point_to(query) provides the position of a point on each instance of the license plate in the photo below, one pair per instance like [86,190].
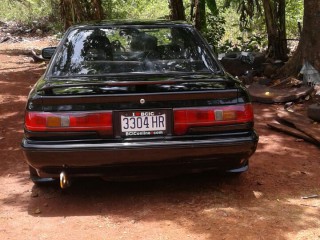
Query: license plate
[144,123]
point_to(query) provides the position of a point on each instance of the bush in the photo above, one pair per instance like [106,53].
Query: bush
[253,43]
[215,29]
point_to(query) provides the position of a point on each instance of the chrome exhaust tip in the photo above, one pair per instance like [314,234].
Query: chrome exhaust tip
[64,180]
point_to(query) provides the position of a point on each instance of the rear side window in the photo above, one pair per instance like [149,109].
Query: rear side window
[102,51]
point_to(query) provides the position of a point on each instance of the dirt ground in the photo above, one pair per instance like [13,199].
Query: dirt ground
[263,203]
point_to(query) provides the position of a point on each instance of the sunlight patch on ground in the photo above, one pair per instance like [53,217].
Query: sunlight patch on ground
[11,99]
[8,115]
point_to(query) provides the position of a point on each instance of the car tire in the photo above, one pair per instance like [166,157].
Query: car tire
[314,112]
[39,180]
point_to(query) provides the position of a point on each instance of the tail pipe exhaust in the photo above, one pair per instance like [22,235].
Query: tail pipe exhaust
[64,180]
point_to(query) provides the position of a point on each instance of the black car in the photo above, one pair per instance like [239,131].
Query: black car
[127,99]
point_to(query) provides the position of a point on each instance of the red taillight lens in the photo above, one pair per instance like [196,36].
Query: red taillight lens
[210,116]
[71,121]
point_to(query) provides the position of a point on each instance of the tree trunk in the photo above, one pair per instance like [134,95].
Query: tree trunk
[309,45]
[276,28]
[200,15]
[177,10]
[97,10]
[75,11]
[283,48]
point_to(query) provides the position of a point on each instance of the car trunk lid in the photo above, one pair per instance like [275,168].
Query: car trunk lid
[141,108]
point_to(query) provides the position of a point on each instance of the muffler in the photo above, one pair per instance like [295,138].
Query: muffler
[64,180]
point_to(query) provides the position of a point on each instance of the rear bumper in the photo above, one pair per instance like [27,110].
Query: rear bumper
[133,158]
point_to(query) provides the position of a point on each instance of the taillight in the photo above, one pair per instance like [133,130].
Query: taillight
[69,121]
[209,116]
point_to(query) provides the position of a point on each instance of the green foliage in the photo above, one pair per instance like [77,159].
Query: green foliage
[138,9]
[222,29]
[215,29]
[248,36]
[250,14]
[254,43]
[212,5]
[25,11]
[246,10]
[294,14]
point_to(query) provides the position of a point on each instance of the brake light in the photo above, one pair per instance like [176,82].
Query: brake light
[69,121]
[210,116]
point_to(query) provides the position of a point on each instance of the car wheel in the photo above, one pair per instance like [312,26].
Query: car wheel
[39,180]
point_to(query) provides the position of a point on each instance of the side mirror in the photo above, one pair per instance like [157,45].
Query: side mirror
[48,52]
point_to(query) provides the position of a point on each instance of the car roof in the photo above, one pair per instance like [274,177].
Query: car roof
[124,23]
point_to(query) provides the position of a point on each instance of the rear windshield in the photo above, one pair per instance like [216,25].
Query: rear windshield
[103,51]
